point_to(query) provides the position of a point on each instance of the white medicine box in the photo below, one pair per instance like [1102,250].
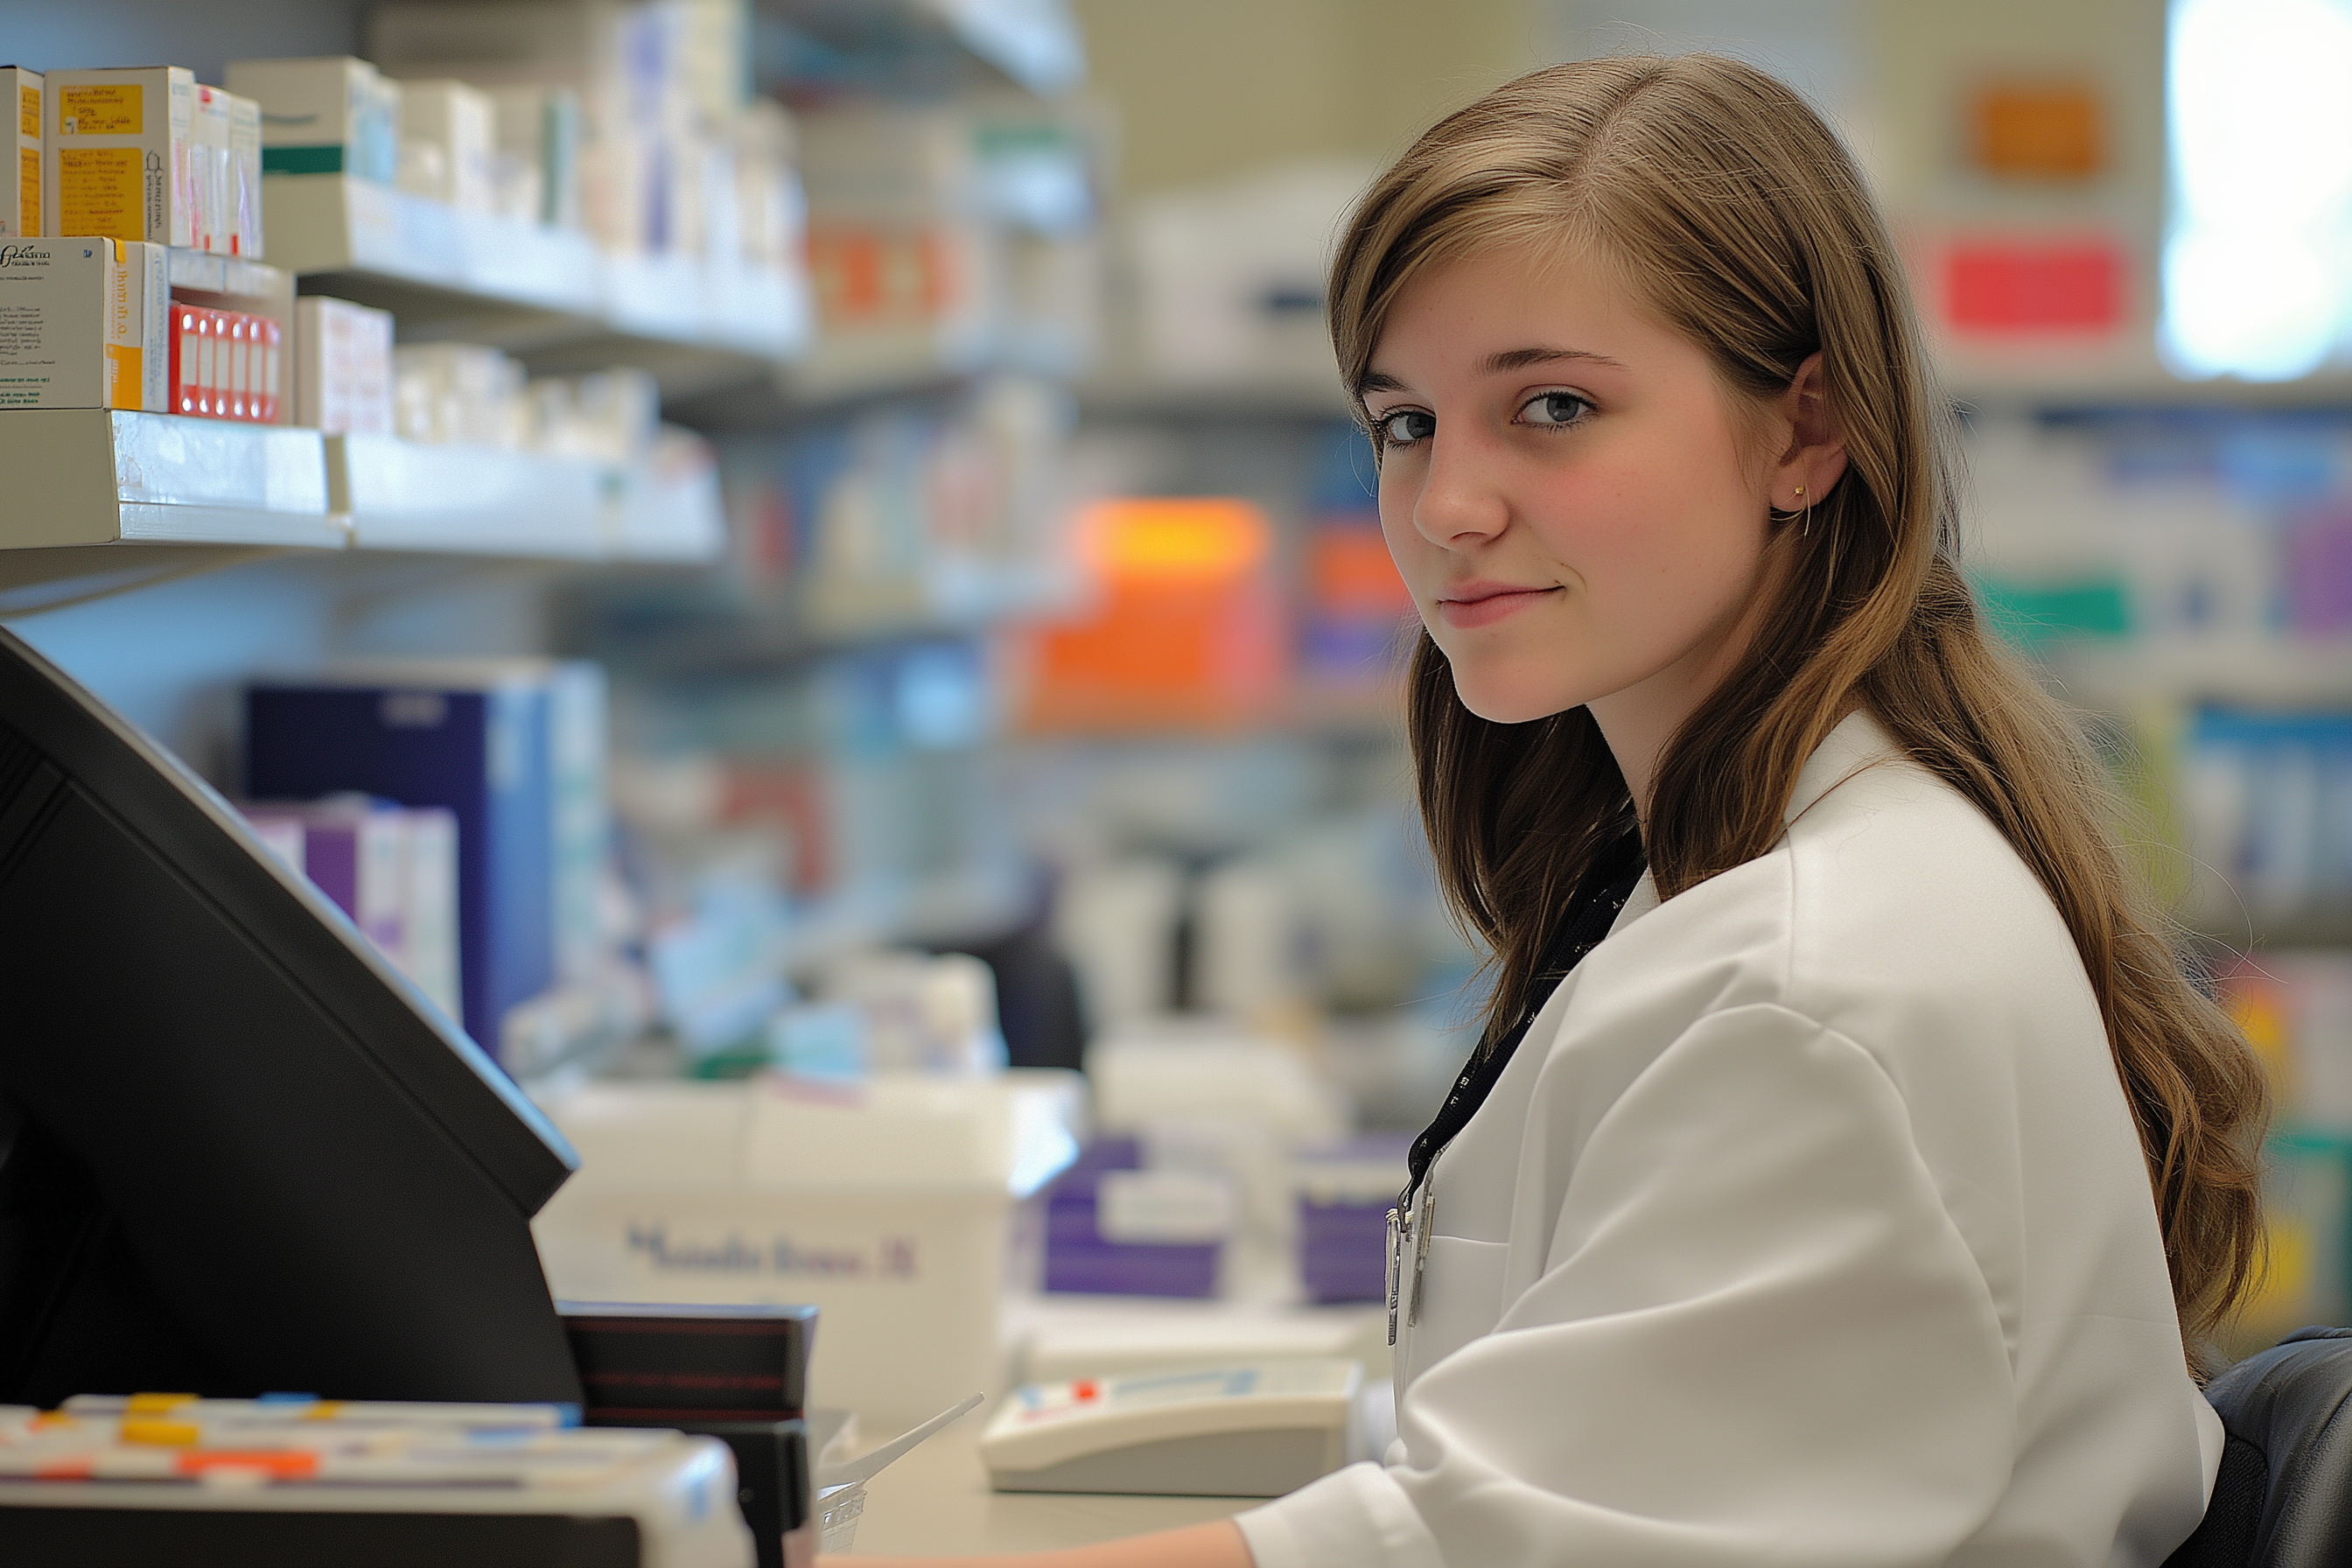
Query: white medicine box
[213,119]
[20,176]
[122,155]
[83,324]
[447,132]
[896,1207]
[342,366]
[330,115]
[244,220]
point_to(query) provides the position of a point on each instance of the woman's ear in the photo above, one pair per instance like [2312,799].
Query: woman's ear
[1815,458]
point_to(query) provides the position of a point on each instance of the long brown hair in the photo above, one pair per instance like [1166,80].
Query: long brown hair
[1729,207]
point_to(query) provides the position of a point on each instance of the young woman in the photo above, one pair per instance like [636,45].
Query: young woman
[1848,1175]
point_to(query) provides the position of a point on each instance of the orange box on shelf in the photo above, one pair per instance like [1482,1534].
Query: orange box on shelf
[875,275]
[1187,630]
[2037,129]
[1350,572]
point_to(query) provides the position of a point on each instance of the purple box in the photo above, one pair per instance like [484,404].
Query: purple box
[1078,1259]
[1346,1191]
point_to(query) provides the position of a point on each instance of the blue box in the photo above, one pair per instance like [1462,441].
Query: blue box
[475,741]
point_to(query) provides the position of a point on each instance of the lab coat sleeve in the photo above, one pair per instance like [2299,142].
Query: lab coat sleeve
[1757,1337]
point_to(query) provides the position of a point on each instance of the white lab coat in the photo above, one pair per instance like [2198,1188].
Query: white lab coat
[1806,1226]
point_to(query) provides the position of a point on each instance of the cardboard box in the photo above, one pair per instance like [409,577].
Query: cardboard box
[342,366]
[20,176]
[83,324]
[456,121]
[331,115]
[120,155]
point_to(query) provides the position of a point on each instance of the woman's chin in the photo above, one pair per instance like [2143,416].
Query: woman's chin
[1507,703]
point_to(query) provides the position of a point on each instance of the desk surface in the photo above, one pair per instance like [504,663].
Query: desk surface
[937,1500]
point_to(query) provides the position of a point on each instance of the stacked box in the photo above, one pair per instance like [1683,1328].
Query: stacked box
[83,324]
[20,177]
[333,115]
[121,157]
[342,366]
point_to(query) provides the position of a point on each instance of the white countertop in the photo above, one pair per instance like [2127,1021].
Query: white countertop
[937,1500]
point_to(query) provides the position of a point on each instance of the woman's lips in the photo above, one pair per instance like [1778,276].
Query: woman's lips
[1483,607]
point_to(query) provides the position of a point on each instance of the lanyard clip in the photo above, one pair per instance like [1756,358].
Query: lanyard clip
[1409,1232]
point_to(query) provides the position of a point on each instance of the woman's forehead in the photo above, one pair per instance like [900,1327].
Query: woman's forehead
[1499,311]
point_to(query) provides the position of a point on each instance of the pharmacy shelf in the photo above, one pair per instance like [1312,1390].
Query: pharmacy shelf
[545,295]
[2254,671]
[94,476]
[486,500]
[103,500]
[707,625]
[833,46]
[948,595]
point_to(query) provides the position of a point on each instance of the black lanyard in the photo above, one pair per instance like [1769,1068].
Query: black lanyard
[1616,872]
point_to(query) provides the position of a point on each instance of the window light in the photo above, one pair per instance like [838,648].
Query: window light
[2258,263]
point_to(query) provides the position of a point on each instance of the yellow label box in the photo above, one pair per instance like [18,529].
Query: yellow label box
[151,184]
[20,176]
[100,190]
[84,323]
[102,109]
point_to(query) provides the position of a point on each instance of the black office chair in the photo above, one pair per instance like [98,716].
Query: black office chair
[2283,1496]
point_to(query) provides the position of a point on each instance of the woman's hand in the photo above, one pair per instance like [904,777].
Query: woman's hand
[1217,1545]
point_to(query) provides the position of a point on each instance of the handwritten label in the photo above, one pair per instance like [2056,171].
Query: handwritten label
[102,109]
[889,1258]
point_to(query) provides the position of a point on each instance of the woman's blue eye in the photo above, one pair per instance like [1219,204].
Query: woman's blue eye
[1555,408]
[1406,427]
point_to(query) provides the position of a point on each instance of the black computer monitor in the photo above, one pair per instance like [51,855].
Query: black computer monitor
[239,1153]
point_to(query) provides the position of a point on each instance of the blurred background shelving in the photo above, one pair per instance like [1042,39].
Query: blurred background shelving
[985,562]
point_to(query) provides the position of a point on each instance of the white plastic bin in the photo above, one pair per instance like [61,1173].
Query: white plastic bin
[892,1207]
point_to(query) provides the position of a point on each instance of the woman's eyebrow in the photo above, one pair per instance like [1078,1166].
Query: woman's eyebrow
[1519,358]
[1495,364]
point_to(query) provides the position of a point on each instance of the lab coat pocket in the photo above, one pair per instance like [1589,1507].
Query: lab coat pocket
[1462,1297]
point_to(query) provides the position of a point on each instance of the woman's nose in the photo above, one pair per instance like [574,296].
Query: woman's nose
[1459,503]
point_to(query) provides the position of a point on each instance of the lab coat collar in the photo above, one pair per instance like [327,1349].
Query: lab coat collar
[1857,741]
